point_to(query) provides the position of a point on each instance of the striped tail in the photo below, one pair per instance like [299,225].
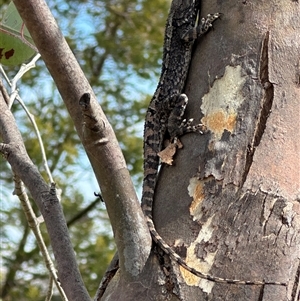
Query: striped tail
[168,250]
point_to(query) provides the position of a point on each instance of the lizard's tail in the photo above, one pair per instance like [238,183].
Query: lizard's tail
[167,249]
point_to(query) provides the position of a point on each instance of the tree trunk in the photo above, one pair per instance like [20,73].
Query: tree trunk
[230,203]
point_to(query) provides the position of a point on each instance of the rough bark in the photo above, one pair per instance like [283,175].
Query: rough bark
[230,204]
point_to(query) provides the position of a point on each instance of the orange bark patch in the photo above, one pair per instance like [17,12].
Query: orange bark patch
[218,121]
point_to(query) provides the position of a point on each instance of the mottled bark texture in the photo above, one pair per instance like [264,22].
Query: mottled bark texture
[230,204]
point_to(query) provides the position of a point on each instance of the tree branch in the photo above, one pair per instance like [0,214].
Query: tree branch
[34,224]
[14,150]
[131,233]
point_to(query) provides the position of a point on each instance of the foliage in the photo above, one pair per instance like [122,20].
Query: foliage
[118,44]
[16,42]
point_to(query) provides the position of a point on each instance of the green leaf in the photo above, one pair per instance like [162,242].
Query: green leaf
[16,44]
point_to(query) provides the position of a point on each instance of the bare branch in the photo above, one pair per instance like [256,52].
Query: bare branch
[34,224]
[106,158]
[13,84]
[15,95]
[109,274]
[14,150]
[3,90]
[50,290]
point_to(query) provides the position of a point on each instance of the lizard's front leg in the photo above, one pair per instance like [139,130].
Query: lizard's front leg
[177,126]
[205,24]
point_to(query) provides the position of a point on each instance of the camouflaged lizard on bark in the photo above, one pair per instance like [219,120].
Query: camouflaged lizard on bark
[164,114]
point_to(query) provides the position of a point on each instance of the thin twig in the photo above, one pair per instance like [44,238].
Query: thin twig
[15,95]
[50,289]
[24,68]
[34,225]
[4,92]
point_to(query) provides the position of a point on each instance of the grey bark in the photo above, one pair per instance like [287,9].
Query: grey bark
[130,230]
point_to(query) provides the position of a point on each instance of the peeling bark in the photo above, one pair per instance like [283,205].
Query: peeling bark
[229,204]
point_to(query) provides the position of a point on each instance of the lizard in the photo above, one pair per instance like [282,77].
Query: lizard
[164,116]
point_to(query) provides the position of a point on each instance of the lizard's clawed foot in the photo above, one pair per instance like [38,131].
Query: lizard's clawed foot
[187,127]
